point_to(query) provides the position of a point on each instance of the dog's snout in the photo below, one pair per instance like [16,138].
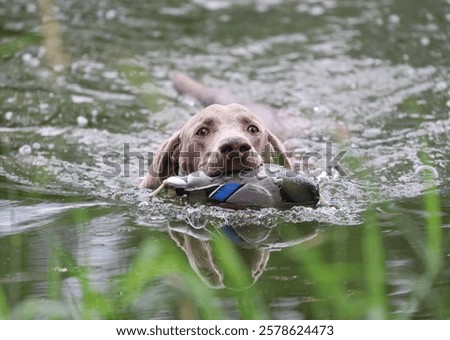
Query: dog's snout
[234,145]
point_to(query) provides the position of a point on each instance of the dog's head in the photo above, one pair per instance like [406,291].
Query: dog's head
[217,140]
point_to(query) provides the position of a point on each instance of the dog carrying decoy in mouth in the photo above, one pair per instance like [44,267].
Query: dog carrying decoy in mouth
[223,138]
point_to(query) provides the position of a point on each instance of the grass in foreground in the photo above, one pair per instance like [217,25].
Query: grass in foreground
[160,282]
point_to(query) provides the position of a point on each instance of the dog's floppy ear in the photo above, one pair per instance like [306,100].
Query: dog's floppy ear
[277,152]
[165,162]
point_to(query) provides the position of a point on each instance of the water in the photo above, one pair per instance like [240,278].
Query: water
[380,67]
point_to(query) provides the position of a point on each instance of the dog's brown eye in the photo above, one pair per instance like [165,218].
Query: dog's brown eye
[252,129]
[202,132]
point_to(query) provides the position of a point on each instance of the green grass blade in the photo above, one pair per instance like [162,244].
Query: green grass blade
[237,275]
[434,255]
[374,268]
[4,310]
[162,260]
[433,231]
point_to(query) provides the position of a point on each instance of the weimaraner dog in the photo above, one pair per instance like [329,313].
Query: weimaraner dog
[222,138]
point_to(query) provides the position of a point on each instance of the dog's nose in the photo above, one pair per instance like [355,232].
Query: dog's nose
[234,146]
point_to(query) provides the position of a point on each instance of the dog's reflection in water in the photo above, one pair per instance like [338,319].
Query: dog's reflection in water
[253,242]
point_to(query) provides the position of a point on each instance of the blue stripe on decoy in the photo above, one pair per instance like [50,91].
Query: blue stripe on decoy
[232,235]
[225,191]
